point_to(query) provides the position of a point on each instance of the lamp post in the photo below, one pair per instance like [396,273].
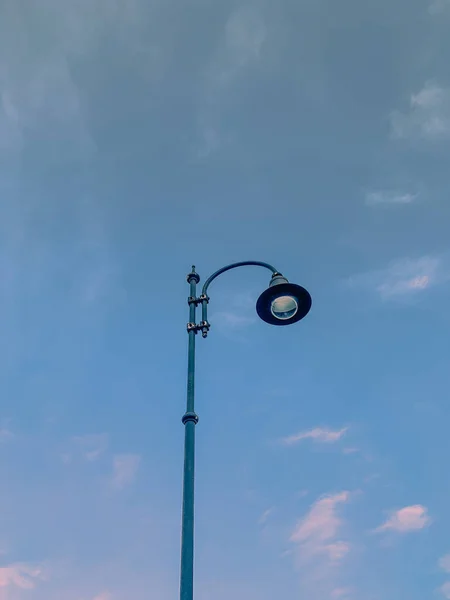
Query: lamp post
[283,303]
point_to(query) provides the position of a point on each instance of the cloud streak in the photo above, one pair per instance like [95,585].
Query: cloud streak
[319,435]
[386,197]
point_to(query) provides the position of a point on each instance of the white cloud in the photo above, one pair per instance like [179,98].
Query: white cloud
[405,277]
[125,468]
[21,576]
[428,116]
[326,436]
[445,590]
[386,197]
[444,563]
[407,519]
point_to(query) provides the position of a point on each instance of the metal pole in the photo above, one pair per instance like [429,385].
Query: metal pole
[190,420]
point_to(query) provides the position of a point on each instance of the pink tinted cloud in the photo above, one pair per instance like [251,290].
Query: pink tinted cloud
[319,549]
[21,576]
[341,593]
[125,468]
[407,519]
[103,596]
[318,434]
[316,533]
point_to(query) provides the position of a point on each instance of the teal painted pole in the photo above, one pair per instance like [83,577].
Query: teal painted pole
[190,420]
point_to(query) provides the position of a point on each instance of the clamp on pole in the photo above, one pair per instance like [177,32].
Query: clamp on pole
[203,326]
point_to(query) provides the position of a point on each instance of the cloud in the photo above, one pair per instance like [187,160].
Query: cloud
[404,277]
[103,596]
[238,50]
[341,593]
[350,450]
[407,519]
[385,197]
[428,116]
[445,590]
[6,435]
[125,468]
[21,576]
[40,100]
[438,6]
[319,550]
[264,517]
[92,446]
[316,533]
[326,436]
[444,563]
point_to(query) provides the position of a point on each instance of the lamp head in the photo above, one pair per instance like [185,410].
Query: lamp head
[283,303]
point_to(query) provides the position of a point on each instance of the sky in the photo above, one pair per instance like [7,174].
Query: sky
[140,137]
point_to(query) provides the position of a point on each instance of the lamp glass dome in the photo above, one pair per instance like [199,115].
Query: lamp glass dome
[283,304]
[284,307]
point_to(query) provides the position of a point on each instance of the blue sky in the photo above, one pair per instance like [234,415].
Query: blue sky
[137,138]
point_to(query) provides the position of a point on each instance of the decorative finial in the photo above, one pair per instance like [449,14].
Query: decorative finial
[193,276]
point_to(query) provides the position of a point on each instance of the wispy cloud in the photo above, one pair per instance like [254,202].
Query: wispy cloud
[389,197]
[428,116]
[445,590]
[318,547]
[20,575]
[103,596]
[6,435]
[438,6]
[341,593]
[245,33]
[321,435]
[404,277]
[444,563]
[316,533]
[92,446]
[125,468]
[407,519]
[350,450]
[265,516]
[238,50]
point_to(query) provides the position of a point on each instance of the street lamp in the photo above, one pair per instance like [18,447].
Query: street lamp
[283,303]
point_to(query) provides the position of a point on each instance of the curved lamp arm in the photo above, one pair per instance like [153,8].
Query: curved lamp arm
[204,297]
[246,263]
